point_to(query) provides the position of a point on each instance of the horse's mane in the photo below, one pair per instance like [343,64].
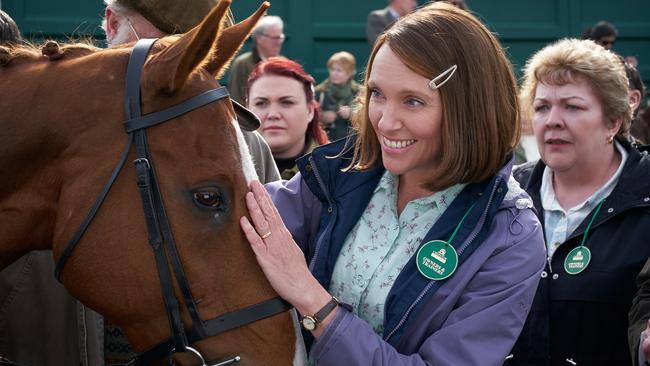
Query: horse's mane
[53,51]
[46,51]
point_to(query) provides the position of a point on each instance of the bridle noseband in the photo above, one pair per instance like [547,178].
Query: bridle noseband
[158,228]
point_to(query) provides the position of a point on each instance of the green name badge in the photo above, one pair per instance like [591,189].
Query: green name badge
[437,260]
[577,260]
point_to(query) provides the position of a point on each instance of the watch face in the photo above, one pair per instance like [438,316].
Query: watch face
[308,323]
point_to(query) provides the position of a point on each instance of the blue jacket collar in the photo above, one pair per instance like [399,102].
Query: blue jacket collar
[337,184]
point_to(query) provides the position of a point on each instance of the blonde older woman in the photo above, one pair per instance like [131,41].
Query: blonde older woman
[592,192]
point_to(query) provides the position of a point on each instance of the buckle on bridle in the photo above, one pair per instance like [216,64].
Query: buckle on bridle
[142,160]
[231,361]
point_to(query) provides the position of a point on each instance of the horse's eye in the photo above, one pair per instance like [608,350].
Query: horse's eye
[209,199]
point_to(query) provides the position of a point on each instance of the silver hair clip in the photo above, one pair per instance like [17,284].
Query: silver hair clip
[447,74]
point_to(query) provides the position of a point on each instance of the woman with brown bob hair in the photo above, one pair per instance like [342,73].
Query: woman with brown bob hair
[410,244]
[480,121]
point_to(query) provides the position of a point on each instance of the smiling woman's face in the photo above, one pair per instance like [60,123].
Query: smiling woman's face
[281,104]
[407,117]
[570,125]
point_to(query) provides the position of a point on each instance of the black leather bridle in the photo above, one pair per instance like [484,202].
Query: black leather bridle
[159,230]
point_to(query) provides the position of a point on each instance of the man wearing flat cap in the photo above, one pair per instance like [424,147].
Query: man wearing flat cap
[40,323]
[129,20]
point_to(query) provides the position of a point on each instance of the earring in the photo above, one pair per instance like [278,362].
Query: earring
[610,139]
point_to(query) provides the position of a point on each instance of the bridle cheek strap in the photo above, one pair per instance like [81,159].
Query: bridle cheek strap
[158,228]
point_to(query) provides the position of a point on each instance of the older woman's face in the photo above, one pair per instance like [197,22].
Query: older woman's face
[570,125]
[281,104]
[406,116]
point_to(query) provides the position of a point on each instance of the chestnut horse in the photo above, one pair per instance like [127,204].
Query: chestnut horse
[62,136]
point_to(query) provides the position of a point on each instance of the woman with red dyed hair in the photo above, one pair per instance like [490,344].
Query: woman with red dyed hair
[281,94]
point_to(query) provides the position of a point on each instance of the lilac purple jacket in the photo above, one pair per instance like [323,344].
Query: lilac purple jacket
[471,318]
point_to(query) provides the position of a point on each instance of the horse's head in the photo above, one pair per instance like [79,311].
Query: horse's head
[72,135]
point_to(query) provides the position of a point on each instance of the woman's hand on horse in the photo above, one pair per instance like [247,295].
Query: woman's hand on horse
[278,254]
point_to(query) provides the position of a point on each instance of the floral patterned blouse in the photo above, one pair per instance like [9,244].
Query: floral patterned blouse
[380,245]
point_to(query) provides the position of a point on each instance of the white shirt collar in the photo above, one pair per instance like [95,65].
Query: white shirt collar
[549,200]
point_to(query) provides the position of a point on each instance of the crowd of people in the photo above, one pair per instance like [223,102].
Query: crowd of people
[395,216]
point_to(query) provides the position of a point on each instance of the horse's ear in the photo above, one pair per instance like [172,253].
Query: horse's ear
[171,67]
[231,40]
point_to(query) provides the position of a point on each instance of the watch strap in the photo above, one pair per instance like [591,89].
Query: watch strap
[326,310]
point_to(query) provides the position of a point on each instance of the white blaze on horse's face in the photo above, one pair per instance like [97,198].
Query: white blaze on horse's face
[246,161]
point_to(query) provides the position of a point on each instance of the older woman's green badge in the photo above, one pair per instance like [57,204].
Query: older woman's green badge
[577,260]
[437,260]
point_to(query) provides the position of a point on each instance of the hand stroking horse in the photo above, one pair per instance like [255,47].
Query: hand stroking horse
[63,144]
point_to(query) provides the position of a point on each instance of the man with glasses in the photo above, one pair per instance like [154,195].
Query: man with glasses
[605,34]
[268,38]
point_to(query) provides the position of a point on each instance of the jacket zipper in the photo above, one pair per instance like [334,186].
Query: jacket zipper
[461,249]
[84,330]
[312,263]
[408,311]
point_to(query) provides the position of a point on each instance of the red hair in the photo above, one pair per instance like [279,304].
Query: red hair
[281,66]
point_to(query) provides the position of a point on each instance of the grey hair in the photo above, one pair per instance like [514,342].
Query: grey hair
[117,8]
[266,22]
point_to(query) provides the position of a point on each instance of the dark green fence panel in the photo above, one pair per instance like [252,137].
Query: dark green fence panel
[526,26]
[316,29]
[56,19]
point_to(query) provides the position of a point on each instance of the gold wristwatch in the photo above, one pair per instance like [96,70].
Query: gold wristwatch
[310,322]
